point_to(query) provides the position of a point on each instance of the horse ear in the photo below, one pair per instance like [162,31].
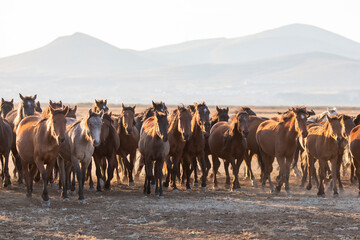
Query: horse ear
[153,104]
[34,97]
[50,102]
[60,103]
[134,107]
[21,96]
[105,101]
[90,112]
[122,105]
[66,110]
[217,108]
[110,114]
[2,100]
[12,100]
[227,109]
[75,108]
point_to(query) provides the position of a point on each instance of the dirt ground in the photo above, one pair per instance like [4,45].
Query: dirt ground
[125,212]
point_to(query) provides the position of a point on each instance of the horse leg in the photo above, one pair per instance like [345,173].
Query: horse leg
[294,164]
[207,162]
[334,174]
[356,164]
[227,175]
[160,164]
[88,175]
[235,168]
[149,174]
[187,171]
[304,169]
[248,157]
[132,158]
[287,173]
[311,169]
[169,171]
[321,192]
[6,169]
[44,173]
[195,168]
[17,163]
[97,160]
[25,169]
[110,170]
[61,165]
[339,164]
[140,167]
[282,173]
[204,172]
[216,165]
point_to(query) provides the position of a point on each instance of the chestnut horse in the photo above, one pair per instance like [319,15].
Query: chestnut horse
[52,104]
[81,139]
[195,146]
[154,146]
[129,138]
[278,139]
[179,133]
[26,108]
[324,143]
[354,143]
[6,140]
[228,141]
[38,143]
[6,107]
[107,150]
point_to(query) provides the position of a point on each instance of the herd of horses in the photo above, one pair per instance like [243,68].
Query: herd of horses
[54,144]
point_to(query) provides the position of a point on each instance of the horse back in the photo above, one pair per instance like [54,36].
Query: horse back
[251,137]
[320,146]
[266,136]
[355,142]
[25,138]
[216,138]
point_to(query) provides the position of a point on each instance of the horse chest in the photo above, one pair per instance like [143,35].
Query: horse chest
[85,152]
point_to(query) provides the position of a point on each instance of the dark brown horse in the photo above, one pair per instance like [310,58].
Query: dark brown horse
[26,108]
[278,139]
[354,143]
[221,114]
[179,132]
[129,138]
[107,150]
[38,143]
[154,146]
[228,141]
[323,143]
[194,148]
[72,112]
[6,107]
[54,105]
[140,118]
[6,140]
[100,105]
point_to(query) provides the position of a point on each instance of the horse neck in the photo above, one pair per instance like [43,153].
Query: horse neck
[84,129]
[327,132]
[233,130]
[174,125]
[195,127]
[289,125]
[2,125]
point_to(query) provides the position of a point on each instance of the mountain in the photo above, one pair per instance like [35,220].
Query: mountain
[290,65]
[75,54]
[287,40]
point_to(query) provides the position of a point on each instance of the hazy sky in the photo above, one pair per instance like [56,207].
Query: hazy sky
[144,24]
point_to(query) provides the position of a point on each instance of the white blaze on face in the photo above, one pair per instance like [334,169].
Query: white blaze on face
[95,125]
[205,110]
[161,109]
[28,103]
[303,116]
[104,107]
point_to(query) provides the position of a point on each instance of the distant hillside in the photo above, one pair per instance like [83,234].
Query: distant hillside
[295,64]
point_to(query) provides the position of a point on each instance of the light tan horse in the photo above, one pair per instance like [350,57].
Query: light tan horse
[278,139]
[324,143]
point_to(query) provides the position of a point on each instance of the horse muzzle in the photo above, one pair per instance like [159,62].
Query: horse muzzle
[186,137]
[304,134]
[165,138]
[245,133]
[96,143]
[339,139]
[128,130]
[61,139]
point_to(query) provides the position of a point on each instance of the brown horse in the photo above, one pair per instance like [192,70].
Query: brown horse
[26,108]
[140,118]
[154,146]
[6,141]
[278,139]
[6,107]
[38,143]
[179,133]
[72,112]
[228,141]
[354,143]
[129,138]
[54,105]
[324,143]
[107,150]
[195,146]
[100,105]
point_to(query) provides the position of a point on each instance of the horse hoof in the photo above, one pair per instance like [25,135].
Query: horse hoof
[53,185]
[196,184]
[215,187]
[203,189]
[288,192]
[161,197]
[82,201]
[188,189]
[152,186]
[28,195]
[21,185]
[236,190]
[227,186]
[165,188]
[102,183]
[66,199]
[308,187]
[253,183]
[175,190]
[91,189]
[45,203]
[321,195]
[131,184]
[336,195]
[72,192]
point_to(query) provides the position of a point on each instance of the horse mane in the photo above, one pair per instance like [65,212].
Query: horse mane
[246,109]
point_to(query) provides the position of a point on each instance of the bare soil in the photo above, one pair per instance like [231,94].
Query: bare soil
[125,212]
